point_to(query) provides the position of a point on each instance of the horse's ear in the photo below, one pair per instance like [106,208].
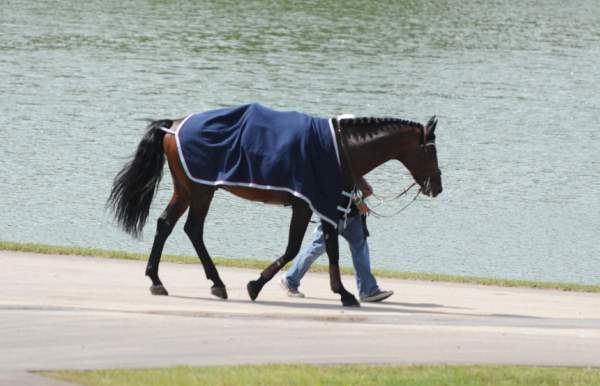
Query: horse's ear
[430,128]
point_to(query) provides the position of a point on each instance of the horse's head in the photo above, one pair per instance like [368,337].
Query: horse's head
[421,160]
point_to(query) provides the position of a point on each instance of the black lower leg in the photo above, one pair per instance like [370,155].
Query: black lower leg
[163,230]
[255,286]
[269,272]
[194,228]
[335,279]
[300,218]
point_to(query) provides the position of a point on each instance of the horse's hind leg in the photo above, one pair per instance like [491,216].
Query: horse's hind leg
[194,228]
[332,247]
[300,218]
[177,206]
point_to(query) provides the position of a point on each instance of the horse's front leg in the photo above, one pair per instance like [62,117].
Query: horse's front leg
[332,247]
[301,214]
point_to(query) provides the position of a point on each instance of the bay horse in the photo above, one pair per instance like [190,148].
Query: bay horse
[361,145]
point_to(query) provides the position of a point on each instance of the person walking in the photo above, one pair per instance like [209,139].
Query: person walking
[353,231]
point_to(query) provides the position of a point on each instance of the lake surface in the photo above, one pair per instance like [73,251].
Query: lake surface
[515,85]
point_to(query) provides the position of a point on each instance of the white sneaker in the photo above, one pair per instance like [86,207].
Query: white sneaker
[291,292]
[377,296]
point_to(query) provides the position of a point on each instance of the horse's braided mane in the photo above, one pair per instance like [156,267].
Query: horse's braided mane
[364,126]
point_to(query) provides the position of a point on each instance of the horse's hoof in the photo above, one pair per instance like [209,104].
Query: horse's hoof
[350,301]
[253,289]
[158,290]
[219,292]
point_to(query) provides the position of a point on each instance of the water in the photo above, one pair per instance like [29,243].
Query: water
[514,84]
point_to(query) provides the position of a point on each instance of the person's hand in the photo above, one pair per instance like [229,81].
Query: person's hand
[363,209]
[365,187]
[366,191]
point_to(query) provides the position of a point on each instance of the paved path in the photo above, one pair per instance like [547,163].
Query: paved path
[59,312]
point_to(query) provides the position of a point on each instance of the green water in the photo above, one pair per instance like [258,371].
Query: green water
[515,85]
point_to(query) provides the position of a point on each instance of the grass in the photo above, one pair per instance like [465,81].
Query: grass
[363,375]
[261,264]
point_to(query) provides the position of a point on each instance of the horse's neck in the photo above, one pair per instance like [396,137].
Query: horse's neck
[376,143]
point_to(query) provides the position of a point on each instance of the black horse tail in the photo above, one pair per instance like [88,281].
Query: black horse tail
[135,185]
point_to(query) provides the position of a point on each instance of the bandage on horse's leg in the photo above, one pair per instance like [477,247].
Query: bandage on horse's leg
[301,214]
[176,207]
[332,247]
[194,228]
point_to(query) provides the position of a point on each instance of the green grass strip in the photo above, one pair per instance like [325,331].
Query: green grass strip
[261,264]
[342,375]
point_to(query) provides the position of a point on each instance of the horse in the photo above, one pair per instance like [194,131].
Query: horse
[361,144]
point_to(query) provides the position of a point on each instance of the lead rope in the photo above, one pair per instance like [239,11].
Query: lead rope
[380,215]
[382,199]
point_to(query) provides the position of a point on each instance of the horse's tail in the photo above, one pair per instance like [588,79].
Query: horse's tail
[135,185]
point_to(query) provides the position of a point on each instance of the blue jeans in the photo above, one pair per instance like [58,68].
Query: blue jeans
[354,234]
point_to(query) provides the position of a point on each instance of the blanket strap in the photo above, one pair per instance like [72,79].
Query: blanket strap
[169,131]
[346,210]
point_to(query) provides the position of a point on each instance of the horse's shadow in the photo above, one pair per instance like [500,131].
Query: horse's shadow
[334,305]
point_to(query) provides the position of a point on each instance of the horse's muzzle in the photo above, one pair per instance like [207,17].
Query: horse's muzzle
[432,186]
[431,190]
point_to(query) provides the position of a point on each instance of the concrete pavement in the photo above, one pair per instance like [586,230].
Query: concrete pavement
[69,312]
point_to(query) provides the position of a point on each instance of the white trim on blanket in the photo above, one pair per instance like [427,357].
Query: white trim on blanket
[246,184]
[335,146]
[166,130]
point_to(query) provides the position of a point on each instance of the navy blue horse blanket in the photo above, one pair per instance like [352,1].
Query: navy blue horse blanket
[255,146]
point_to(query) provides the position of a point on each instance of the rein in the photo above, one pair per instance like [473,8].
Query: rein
[380,215]
[382,199]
